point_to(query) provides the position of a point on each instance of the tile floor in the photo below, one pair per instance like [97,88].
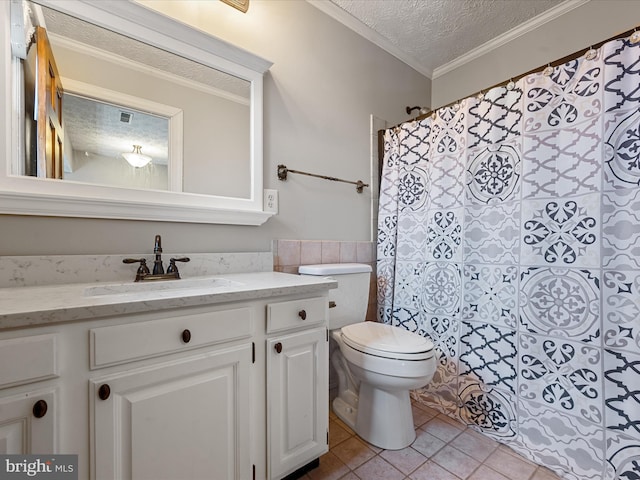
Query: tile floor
[443,450]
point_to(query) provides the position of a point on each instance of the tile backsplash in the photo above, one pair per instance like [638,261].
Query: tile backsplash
[288,255]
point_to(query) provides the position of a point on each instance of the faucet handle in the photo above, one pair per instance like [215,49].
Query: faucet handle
[142,269]
[134,260]
[181,259]
[172,268]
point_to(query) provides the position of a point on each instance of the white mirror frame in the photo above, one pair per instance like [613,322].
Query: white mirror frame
[24,195]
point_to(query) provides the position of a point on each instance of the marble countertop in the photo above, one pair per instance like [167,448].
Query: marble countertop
[44,305]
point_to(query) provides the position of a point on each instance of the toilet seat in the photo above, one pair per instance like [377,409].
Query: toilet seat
[386,341]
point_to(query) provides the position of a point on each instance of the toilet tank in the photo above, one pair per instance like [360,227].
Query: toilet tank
[352,295]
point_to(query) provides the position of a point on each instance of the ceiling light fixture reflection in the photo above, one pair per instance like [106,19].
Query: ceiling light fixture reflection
[136,158]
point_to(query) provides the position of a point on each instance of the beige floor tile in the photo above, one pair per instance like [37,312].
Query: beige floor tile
[432,471]
[456,423]
[509,464]
[350,476]
[420,417]
[455,461]
[405,460]
[543,473]
[431,411]
[344,425]
[353,452]
[378,469]
[337,434]
[444,430]
[473,444]
[444,449]
[511,451]
[485,473]
[330,468]
[374,448]
[427,444]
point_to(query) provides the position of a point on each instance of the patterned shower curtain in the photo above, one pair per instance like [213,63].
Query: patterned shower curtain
[509,233]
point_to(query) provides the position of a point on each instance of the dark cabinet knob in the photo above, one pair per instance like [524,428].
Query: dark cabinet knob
[302,314]
[40,409]
[104,391]
[186,335]
[278,347]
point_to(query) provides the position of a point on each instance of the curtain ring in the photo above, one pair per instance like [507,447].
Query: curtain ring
[548,71]
[635,36]
[591,53]
[511,85]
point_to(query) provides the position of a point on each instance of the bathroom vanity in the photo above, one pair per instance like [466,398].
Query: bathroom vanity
[221,377]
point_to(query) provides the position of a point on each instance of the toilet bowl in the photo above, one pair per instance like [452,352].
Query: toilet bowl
[376,364]
[387,362]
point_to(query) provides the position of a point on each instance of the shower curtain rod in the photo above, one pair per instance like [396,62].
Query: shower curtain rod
[555,63]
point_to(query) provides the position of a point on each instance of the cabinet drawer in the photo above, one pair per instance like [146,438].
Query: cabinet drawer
[27,359]
[296,313]
[136,341]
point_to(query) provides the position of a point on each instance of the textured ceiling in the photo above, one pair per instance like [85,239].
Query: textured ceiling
[95,127]
[433,33]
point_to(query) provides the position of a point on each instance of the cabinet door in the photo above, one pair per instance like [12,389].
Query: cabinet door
[185,419]
[27,425]
[297,400]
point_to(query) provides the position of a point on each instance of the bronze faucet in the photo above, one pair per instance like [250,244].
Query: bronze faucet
[158,269]
[143,272]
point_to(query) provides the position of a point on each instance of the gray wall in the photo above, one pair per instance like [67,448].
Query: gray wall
[587,24]
[325,83]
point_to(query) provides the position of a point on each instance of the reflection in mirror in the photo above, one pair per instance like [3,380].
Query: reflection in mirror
[214,107]
[99,135]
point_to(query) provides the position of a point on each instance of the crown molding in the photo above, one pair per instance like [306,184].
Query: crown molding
[337,13]
[121,61]
[522,29]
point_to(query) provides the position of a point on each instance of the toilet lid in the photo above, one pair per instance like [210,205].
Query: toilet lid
[387,341]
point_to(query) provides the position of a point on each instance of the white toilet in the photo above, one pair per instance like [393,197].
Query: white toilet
[376,364]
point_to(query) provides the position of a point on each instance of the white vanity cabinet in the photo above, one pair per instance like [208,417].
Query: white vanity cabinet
[188,386]
[28,402]
[187,417]
[297,384]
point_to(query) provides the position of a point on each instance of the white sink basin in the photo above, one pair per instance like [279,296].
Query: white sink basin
[132,288]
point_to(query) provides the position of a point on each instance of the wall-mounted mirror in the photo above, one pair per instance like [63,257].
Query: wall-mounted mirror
[190,111]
